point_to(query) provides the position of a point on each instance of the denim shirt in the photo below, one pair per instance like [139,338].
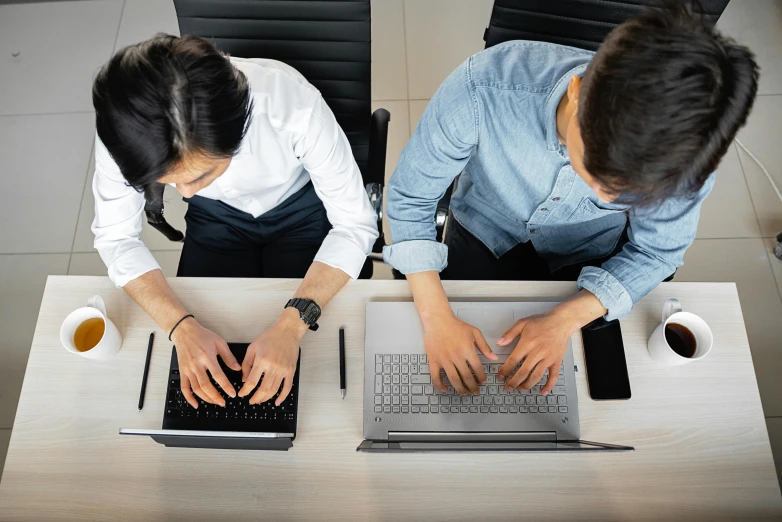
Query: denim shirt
[494,121]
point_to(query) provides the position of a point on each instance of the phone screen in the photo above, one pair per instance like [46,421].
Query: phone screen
[606,366]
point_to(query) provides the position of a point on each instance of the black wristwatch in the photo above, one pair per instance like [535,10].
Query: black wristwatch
[309,311]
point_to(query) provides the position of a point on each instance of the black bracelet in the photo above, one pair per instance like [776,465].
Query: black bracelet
[178,323]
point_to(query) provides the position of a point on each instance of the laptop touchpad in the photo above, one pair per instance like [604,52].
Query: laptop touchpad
[492,322]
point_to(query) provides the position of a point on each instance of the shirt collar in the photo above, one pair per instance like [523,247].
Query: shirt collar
[559,90]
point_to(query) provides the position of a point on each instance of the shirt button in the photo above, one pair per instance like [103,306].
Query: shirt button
[543,209]
[532,231]
[554,199]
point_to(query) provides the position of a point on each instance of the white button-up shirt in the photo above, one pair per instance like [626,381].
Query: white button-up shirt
[293,138]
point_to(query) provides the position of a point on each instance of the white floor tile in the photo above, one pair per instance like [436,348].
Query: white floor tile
[174,210]
[87,264]
[43,160]
[727,211]
[398,135]
[22,280]
[758,25]
[776,264]
[381,271]
[774,425]
[143,19]
[389,66]
[440,35]
[168,260]
[60,47]
[91,263]
[5,438]
[417,108]
[746,262]
[761,137]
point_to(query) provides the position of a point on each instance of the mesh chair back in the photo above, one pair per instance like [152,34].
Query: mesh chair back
[577,23]
[328,41]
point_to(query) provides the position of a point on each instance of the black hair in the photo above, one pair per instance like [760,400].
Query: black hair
[166,97]
[660,103]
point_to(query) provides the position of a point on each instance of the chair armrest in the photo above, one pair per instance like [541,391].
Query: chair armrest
[441,213]
[378,140]
[376,171]
[375,193]
[153,208]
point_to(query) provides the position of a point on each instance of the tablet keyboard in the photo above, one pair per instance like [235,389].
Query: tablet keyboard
[238,414]
[235,408]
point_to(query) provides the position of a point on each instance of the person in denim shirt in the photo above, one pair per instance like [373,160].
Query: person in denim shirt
[574,166]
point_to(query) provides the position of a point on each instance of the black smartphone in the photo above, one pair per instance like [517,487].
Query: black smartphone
[606,366]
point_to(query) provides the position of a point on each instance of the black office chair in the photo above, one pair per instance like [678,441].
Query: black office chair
[577,23]
[327,41]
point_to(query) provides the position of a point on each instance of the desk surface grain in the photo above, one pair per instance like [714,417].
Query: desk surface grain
[702,451]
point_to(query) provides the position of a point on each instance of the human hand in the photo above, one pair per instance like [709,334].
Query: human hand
[450,345]
[543,341]
[197,349]
[273,355]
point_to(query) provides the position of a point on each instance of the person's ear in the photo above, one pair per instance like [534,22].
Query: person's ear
[574,89]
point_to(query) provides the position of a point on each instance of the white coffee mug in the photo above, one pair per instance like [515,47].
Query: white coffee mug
[108,345]
[659,348]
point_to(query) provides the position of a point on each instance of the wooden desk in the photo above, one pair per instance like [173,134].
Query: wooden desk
[702,451]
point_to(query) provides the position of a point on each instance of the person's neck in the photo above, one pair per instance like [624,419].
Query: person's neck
[564,112]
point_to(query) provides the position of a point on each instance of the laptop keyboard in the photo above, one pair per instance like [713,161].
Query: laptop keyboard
[235,408]
[403,384]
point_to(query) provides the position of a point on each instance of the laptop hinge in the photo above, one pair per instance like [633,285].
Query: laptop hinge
[471,436]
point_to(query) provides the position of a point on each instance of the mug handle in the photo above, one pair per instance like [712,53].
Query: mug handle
[96,302]
[671,307]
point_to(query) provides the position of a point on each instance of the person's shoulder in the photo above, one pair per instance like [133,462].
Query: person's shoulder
[525,65]
[273,77]
[280,93]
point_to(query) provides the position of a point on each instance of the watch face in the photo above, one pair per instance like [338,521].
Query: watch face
[312,311]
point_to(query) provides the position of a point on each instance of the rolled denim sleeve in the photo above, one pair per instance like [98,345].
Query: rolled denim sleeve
[658,239]
[437,152]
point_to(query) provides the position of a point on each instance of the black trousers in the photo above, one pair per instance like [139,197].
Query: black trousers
[222,241]
[469,259]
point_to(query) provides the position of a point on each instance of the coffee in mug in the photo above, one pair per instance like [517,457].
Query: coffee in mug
[682,337]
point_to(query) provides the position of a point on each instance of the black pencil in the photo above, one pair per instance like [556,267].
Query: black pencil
[146,372]
[342,386]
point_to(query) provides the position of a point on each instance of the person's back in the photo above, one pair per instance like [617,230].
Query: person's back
[574,167]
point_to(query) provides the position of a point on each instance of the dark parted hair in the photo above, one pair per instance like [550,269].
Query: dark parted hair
[166,97]
[660,103]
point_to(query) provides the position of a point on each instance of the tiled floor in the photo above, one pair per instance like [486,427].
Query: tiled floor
[49,54]
[5,438]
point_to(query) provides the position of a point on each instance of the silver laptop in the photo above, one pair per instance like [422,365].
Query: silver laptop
[404,412]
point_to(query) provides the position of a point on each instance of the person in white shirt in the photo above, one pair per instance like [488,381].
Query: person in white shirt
[272,186]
